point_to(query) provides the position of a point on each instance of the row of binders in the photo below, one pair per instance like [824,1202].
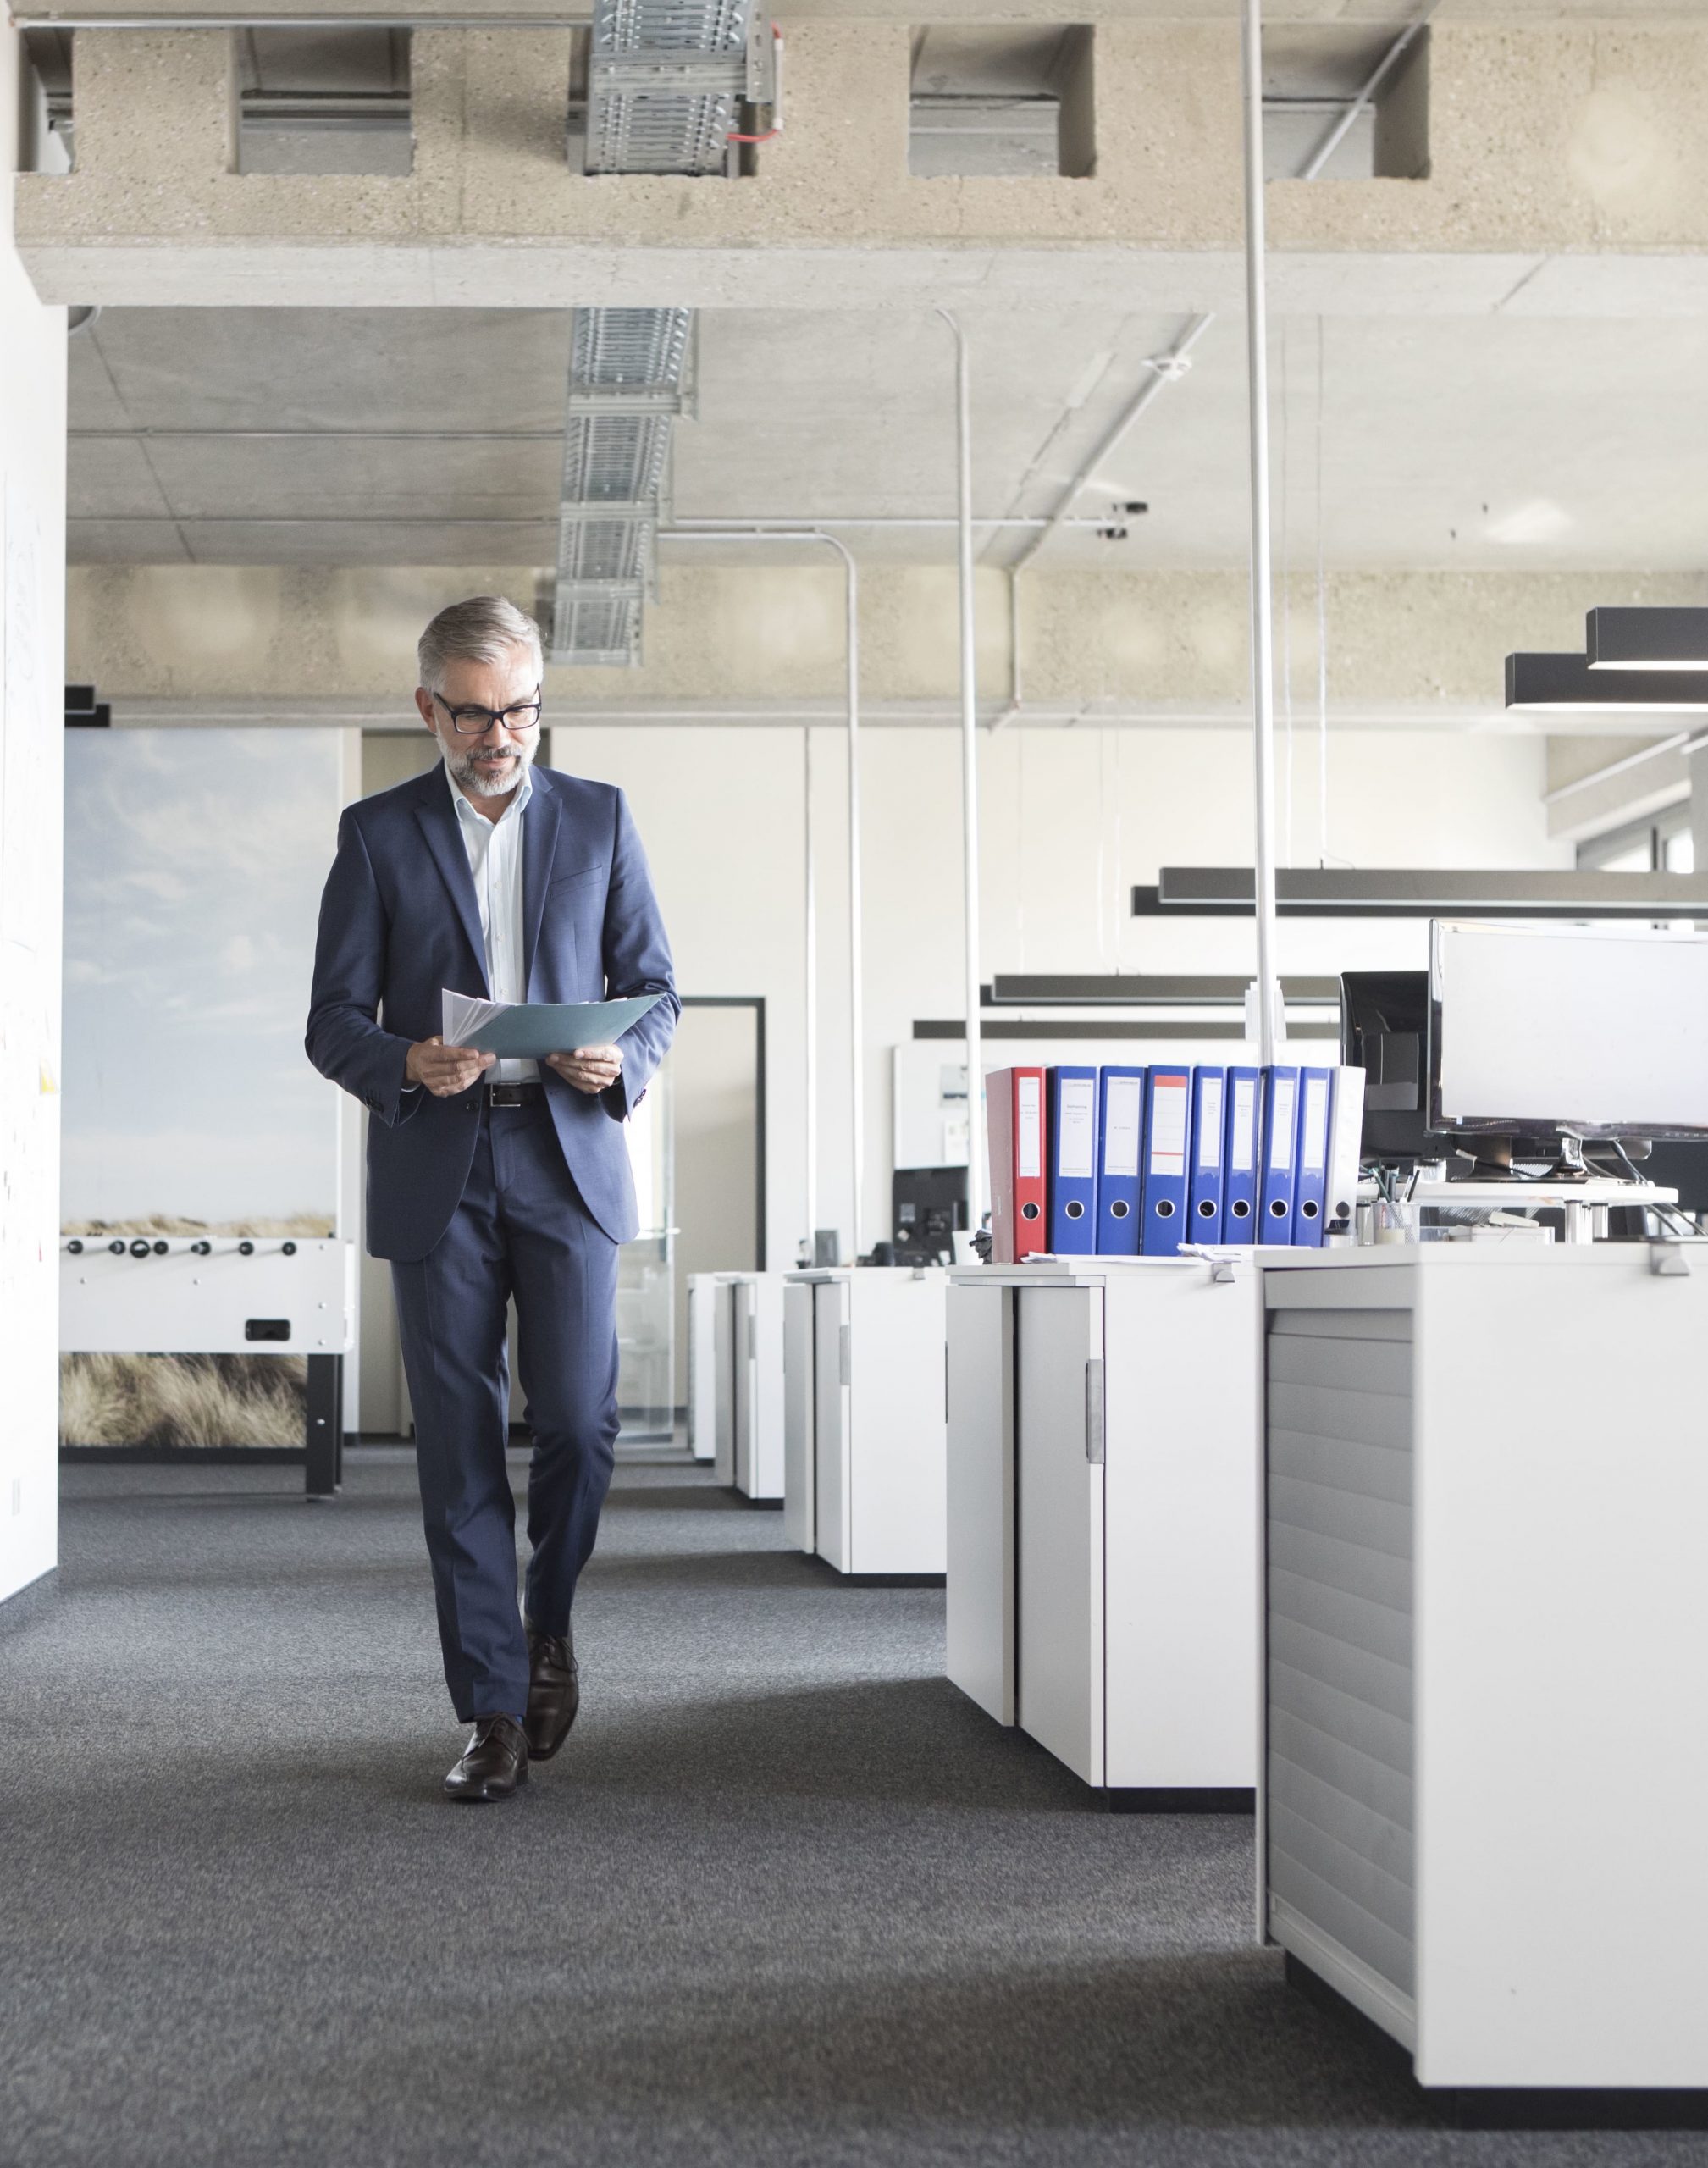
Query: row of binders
[1117,1162]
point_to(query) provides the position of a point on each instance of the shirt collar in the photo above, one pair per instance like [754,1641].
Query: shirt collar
[465,810]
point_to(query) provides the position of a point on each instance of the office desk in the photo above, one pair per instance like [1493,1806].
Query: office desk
[1103,1516]
[863,1423]
[1486,1620]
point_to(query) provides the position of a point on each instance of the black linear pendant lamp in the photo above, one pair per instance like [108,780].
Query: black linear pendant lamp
[1566,683]
[1648,639]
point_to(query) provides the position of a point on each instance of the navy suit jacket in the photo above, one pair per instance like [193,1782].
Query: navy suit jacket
[398,922]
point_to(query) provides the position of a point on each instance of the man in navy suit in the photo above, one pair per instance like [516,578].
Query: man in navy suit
[488,1179]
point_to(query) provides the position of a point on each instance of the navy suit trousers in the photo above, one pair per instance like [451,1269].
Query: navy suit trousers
[520,1229]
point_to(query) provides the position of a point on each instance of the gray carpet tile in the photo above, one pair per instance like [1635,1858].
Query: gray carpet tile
[785,1896]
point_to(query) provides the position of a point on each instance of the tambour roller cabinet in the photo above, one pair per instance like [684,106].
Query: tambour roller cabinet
[1486,1618]
[1103,1516]
[864,1418]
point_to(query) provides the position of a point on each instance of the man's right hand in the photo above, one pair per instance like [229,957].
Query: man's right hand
[444,1071]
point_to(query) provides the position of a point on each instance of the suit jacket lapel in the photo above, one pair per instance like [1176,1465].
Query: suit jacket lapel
[540,821]
[437,819]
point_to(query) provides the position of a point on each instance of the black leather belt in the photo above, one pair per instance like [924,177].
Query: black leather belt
[514,1095]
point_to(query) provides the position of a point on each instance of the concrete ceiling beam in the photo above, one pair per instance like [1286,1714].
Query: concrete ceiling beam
[1568,175]
[1416,649]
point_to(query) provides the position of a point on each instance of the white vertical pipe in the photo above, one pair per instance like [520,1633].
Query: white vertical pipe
[809,917]
[969,775]
[857,1037]
[1263,616]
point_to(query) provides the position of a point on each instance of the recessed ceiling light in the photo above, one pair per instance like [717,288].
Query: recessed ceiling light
[1540,521]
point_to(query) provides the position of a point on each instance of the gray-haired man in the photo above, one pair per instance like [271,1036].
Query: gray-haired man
[488,1179]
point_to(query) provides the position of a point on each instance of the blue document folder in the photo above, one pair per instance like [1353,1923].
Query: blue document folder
[1311,1185]
[1168,1138]
[1071,1205]
[1243,1135]
[1204,1192]
[1280,1153]
[1120,1137]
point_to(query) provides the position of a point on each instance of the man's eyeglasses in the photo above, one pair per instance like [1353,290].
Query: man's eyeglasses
[471,722]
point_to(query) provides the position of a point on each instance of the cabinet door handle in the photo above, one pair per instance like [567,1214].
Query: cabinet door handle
[845,1354]
[1094,1414]
[752,1338]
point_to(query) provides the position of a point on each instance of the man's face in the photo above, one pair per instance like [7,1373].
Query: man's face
[489,762]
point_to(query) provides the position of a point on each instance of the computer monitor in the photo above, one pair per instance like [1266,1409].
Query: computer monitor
[1581,1031]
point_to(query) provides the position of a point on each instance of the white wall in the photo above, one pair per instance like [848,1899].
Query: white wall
[32,627]
[1071,820]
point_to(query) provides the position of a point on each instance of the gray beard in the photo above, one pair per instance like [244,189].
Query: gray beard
[467,776]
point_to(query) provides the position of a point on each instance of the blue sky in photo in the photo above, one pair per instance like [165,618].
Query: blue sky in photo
[194,861]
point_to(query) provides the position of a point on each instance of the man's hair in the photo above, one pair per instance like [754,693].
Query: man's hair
[483,629]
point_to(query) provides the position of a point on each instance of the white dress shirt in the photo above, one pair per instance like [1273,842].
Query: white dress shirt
[494,860]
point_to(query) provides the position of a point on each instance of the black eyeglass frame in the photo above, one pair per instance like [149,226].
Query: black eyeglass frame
[492,714]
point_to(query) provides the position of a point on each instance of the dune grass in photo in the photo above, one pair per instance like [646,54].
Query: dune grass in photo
[182,1400]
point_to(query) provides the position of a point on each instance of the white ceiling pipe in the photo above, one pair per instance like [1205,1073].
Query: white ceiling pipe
[1263,612]
[856,996]
[969,776]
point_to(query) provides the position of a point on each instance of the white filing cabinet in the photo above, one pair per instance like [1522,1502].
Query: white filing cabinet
[1103,1516]
[1487,1621]
[756,1412]
[864,1418]
[706,1297]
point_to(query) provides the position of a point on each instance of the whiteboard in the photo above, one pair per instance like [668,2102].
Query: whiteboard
[1552,1028]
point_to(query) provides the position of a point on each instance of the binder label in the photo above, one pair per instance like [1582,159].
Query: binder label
[1281,1141]
[1121,1105]
[1076,1108]
[1029,1144]
[1313,1145]
[1169,1112]
[1242,1145]
[1210,1124]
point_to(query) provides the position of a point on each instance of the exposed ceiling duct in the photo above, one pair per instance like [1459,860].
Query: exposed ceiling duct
[665,82]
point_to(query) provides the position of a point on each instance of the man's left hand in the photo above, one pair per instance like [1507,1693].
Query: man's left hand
[591,1070]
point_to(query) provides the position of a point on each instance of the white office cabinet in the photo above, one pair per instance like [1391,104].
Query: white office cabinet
[1103,1513]
[723,1380]
[1062,1565]
[1487,1624]
[703,1299]
[865,1473]
[799,1391]
[980,1597]
[756,1342]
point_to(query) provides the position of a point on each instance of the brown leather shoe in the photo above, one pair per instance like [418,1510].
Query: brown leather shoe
[493,1762]
[554,1692]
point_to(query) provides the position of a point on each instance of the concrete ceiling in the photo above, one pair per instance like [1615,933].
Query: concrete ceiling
[399,437]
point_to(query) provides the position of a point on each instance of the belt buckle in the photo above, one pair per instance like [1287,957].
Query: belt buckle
[506,1094]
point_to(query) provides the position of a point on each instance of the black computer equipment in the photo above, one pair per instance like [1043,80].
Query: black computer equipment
[928,1205]
[1384,1030]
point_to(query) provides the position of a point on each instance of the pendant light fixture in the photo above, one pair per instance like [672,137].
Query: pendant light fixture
[1566,683]
[1648,639]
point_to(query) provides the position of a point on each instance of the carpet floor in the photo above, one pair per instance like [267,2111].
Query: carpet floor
[785,1897]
